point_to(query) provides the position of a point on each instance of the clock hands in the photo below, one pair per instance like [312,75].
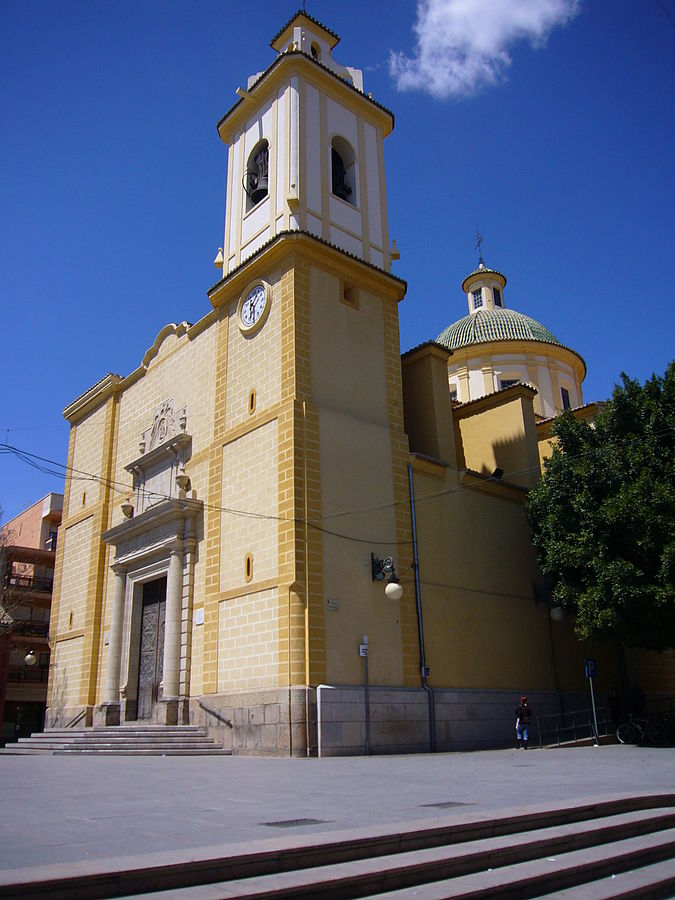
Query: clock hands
[253,306]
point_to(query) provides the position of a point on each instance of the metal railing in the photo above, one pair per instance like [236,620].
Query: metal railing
[571,727]
[27,675]
[36,583]
[215,713]
[27,627]
[75,719]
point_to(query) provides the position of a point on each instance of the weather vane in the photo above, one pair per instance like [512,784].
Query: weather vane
[479,241]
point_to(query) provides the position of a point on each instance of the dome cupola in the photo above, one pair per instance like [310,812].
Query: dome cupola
[484,288]
[494,347]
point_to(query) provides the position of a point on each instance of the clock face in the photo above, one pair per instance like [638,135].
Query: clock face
[252,307]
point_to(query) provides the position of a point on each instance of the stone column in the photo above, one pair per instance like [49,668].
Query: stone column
[112,678]
[172,625]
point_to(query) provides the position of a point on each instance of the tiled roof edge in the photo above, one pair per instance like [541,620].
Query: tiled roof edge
[311,59]
[427,344]
[302,12]
[314,237]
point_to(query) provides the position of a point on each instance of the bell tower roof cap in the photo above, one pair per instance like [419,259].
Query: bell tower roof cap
[482,272]
[301,17]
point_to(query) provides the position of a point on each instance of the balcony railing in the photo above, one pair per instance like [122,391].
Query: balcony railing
[25,626]
[37,583]
[28,675]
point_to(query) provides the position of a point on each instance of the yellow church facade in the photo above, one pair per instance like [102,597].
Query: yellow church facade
[236,507]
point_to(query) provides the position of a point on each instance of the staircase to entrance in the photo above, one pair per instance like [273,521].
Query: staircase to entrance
[136,740]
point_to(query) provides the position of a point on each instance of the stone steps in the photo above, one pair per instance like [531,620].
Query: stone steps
[127,740]
[603,849]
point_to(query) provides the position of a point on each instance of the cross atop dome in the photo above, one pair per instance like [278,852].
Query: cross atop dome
[479,241]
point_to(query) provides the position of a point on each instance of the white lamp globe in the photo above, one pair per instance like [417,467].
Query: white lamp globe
[557,614]
[393,591]
[30,658]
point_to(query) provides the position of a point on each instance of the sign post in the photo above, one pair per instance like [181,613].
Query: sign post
[363,651]
[591,672]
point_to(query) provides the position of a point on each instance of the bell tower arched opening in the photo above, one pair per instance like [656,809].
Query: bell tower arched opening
[343,170]
[256,177]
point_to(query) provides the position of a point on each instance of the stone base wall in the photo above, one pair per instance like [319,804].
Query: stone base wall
[399,718]
[269,722]
[272,722]
[61,716]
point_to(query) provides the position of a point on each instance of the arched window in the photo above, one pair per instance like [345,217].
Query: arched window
[315,51]
[256,176]
[343,170]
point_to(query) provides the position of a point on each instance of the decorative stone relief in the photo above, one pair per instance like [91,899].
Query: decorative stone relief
[159,472]
[167,424]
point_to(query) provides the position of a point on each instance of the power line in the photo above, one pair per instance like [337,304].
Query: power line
[35,461]
[672,21]
[60,470]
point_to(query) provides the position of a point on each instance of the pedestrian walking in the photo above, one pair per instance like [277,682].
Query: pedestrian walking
[523,719]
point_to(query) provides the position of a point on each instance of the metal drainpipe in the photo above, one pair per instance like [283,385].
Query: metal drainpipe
[308,749]
[420,628]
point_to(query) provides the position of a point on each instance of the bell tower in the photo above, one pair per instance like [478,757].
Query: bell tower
[308,398]
[305,152]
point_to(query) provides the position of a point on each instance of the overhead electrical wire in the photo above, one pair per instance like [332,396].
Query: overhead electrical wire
[59,470]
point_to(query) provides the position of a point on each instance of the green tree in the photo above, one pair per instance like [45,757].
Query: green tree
[603,516]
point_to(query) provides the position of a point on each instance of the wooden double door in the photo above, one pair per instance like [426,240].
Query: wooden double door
[151,661]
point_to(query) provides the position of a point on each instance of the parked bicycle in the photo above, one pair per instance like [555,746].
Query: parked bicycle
[639,731]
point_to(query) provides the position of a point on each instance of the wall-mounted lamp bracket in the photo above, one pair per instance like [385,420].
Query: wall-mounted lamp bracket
[382,568]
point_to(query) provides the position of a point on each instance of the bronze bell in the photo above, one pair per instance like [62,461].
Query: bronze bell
[258,188]
[258,182]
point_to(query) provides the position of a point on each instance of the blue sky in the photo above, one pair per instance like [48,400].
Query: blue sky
[552,134]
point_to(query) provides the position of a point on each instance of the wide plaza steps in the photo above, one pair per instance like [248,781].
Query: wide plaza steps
[603,849]
[127,740]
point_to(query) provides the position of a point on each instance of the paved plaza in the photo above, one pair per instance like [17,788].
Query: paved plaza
[60,809]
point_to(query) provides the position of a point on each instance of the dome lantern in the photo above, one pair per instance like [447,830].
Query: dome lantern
[484,289]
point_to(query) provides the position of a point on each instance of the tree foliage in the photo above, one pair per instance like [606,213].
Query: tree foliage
[603,516]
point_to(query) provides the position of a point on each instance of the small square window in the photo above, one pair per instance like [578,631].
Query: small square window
[565,394]
[497,296]
[350,296]
[453,394]
[477,298]
[507,382]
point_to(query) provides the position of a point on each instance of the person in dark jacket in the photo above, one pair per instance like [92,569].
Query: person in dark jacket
[523,719]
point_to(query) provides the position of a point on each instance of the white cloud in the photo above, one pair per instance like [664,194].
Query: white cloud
[462,45]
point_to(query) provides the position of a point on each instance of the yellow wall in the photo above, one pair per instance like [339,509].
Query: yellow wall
[426,403]
[250,485]
[73,607]
[499,431]
[482,627]
[248,654]
[349,345]
[65,674]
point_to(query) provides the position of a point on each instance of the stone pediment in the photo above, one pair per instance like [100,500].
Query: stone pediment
[159,470]
[154,531]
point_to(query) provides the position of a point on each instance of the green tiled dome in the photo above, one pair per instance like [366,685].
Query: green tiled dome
[487,325]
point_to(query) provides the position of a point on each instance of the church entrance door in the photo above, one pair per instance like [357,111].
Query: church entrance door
[152,646]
